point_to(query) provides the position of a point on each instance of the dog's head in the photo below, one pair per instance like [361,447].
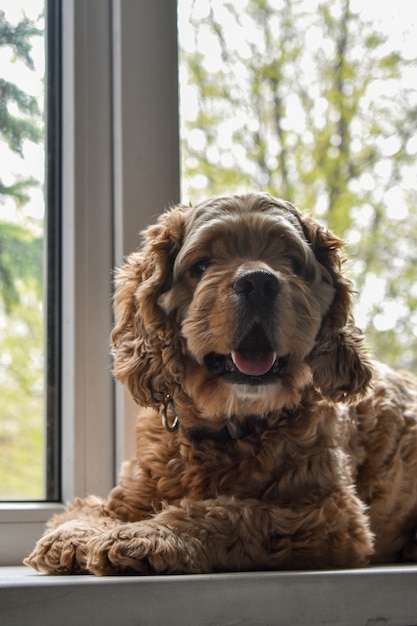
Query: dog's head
[238,303]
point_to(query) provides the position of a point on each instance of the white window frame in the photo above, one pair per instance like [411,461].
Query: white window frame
[120,169]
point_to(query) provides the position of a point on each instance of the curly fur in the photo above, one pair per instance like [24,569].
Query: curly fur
[235,315]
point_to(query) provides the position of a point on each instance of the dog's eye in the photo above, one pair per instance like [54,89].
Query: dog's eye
[198,269]
[297,265]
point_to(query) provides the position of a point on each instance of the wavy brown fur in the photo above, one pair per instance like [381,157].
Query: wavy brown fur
[324,470]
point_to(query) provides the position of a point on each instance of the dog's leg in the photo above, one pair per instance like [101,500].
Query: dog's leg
[62,549]
[225,534]
[135,496]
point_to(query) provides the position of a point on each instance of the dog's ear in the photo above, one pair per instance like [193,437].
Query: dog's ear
[339,363]
[146,342]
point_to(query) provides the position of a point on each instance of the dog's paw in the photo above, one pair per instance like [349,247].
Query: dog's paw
[63,549]
[142,548]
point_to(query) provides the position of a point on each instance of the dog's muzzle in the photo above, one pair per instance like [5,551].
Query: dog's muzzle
[223,365]
[252,362]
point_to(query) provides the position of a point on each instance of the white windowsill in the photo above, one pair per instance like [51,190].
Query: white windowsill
[21,525]
[374,596]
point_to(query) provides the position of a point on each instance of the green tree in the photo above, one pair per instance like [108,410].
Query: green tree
[21,390]
[314,107]
[16,128]
[21,251]
[20,120]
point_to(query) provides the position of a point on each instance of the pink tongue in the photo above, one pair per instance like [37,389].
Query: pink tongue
[253,363]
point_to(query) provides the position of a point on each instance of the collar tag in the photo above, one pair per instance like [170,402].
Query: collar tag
[173,425]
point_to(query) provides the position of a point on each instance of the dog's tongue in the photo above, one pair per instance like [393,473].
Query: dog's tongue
[253,363]
[254,355]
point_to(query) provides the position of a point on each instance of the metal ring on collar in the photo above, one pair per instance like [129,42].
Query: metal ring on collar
[169,404]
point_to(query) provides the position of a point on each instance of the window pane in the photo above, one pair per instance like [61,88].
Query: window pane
[22,235]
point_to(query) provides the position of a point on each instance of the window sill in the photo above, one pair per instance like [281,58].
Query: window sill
[373,596]
[21,525]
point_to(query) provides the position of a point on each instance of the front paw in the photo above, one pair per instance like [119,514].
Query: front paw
[63,549]
[143,548]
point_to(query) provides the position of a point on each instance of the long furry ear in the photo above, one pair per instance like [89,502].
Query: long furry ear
[146,342]
[340,367]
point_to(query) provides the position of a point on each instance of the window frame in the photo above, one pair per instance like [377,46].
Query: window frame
[52,249]
[120,168]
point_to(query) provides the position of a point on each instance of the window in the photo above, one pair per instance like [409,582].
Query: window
[119,168]
[22,446]
[90,160]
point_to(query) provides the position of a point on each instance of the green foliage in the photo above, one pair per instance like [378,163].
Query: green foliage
[20,249]
[313,107]
[13,128]
[16,129]
[21,263]
[22,401]
[18,37]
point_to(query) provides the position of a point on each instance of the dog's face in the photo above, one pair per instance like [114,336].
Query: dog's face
[249,297]
[238,291]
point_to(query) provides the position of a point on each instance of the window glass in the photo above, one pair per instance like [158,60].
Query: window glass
[314,102]
[22,235]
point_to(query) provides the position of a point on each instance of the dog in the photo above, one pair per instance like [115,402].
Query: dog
[268,439]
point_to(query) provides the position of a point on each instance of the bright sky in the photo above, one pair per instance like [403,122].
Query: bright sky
[398,18]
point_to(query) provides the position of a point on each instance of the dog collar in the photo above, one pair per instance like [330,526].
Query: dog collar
[233,430]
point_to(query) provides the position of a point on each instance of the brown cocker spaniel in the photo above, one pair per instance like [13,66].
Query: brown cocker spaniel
[269,441]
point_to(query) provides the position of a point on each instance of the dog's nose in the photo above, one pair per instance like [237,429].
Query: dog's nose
[258,287]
